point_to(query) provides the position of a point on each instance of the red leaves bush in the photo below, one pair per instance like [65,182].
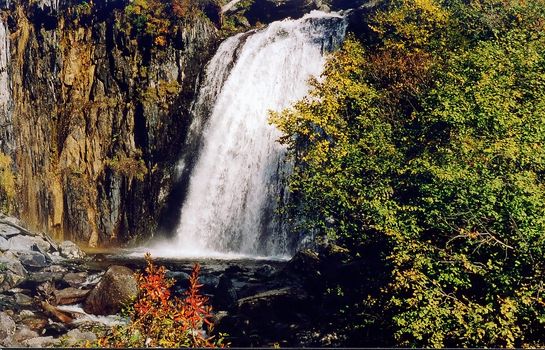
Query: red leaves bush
[159,319]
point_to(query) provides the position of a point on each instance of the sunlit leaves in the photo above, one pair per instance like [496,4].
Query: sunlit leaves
[435,139]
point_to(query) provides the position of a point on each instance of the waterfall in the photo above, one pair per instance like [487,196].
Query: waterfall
[235,179]
[5,90]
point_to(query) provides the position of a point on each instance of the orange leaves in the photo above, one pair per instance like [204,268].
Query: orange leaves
[159,319]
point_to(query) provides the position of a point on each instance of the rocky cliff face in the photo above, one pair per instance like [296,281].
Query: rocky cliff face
[92,116]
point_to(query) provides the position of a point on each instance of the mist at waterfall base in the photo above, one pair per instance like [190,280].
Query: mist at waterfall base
[238,179]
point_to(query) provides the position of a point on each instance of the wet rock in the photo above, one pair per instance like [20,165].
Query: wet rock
[117,287]
[75,279]
[75,337]
[226,293]
[7,325]
[265,271]
[177,275]
[305,264]
[209,281]
[70,250]
[70,295]
[274,300]
[333,254]
[233,269]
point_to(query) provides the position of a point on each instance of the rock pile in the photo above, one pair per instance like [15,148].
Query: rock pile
[39,277]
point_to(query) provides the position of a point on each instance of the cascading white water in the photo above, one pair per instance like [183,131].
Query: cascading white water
[5,88]
[235,182]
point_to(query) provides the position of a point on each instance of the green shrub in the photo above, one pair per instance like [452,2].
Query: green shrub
[433,140]
[128,166]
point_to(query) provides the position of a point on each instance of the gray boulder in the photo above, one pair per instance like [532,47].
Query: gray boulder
[7,326]
[70,250]
[75,337]
[117,287]
[12,273]
[7,231]
[33,259]
[4,245]
[27,243]
[41,342]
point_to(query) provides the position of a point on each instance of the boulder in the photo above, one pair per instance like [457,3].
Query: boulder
[117,287]
[7,326]
[26,243]
[304,264]
[226,293]
[36,324]
[33,259]
[23,299]
[41,342]
[69,296]
[44,276]
[8,231]
[75,279]
[12,273]
[70,250]
[265,271]
[21,334]
[4,245]
[75,337]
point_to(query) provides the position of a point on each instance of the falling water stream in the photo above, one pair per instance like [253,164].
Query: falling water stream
[5,88]
[236,181]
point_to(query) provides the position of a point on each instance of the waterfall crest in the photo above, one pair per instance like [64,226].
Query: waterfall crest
[236,179]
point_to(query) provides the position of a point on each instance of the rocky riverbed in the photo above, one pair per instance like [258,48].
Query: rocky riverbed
[53,294]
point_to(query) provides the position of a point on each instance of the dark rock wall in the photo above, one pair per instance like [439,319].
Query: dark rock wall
[93,117]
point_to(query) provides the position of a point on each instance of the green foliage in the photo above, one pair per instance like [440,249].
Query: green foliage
[157,19]
[128,166]
[433,139]
[7,183]
[84,8]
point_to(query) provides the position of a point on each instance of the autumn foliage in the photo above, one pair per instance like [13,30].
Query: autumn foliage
[157,318]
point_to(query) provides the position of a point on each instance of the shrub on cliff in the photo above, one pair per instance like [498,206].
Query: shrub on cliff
[432,139]
[159,319]
[7,183]
[156,19]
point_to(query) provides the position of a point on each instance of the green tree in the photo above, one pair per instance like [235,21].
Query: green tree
[432,139]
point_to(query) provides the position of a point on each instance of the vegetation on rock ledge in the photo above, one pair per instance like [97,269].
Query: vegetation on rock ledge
[7,183]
